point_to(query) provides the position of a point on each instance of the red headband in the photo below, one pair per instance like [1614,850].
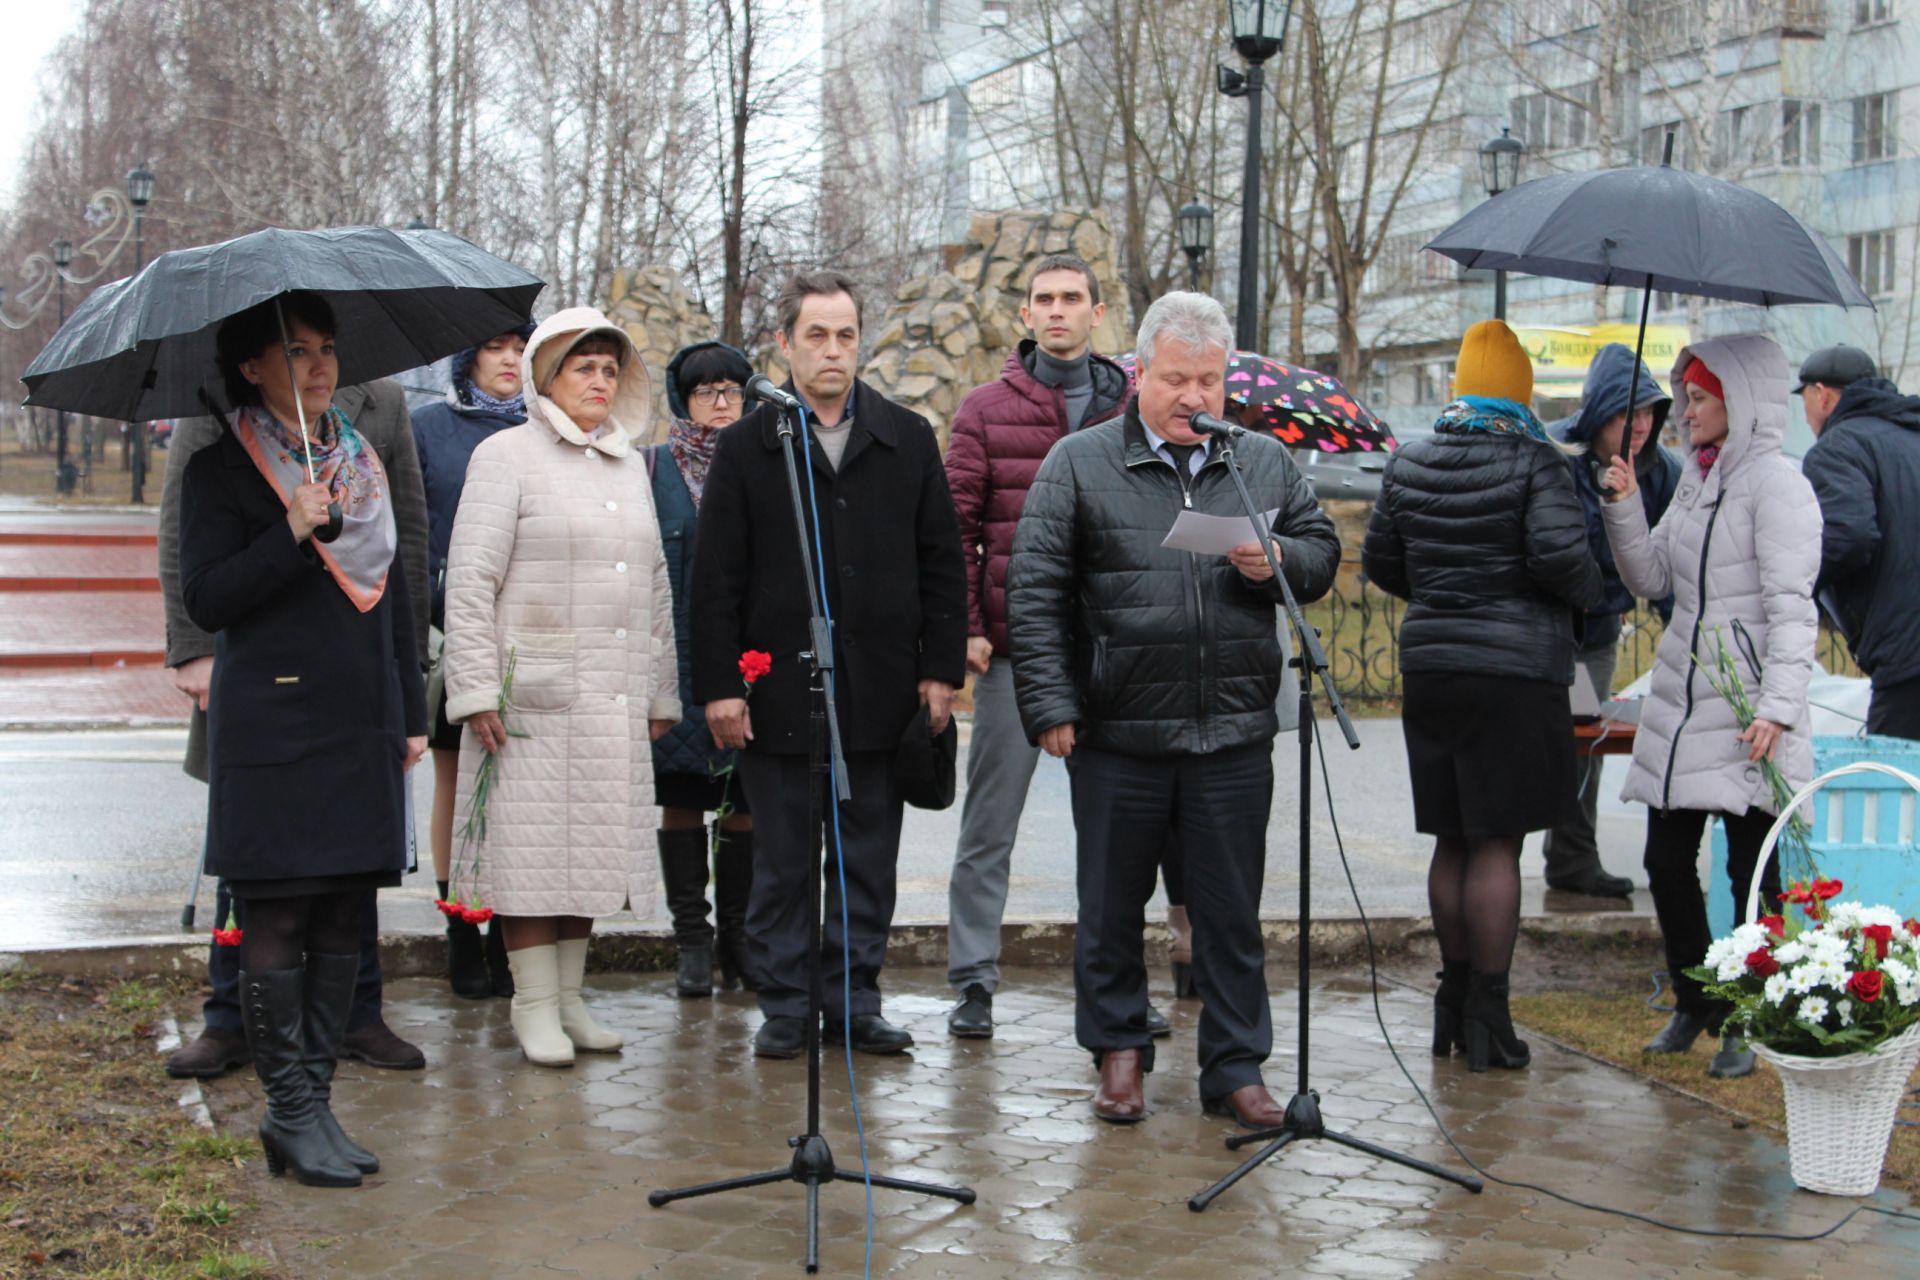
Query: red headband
[1702,377]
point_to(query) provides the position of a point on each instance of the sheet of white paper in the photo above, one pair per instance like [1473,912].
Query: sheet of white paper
[1212,535]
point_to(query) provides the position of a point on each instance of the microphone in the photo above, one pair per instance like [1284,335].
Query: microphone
[760,387]
[1208,425]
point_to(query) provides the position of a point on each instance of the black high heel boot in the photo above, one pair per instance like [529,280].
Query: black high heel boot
[466,958]
[1489,1026]
[273,1004]
[329,999]
[683,873]
[1449,1009]
[732,888]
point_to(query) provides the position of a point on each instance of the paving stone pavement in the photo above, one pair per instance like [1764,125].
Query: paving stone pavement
[496,1168]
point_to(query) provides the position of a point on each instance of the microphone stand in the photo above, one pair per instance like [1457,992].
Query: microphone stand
[812,1163]
[1303,1119]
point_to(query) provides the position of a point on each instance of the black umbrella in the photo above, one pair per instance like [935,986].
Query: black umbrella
[143,347]
[1654,227]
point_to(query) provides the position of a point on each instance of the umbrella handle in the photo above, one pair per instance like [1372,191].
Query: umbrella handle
[331,529]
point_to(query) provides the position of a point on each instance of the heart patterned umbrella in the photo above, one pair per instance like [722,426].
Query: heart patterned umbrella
[1302,408]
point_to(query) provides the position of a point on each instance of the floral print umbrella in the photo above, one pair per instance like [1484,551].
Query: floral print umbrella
[1302,408]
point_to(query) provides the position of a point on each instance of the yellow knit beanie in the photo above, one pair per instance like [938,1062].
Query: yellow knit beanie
[1493,363]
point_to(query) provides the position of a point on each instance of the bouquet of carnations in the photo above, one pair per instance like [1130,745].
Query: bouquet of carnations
[1843,979]
[465,905]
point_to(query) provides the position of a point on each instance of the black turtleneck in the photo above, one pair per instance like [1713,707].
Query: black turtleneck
[1073,377]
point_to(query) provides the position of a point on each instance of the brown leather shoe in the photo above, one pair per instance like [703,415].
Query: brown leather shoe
[1251,1105]
[376,1045]
[1122,1097]
[209,1054]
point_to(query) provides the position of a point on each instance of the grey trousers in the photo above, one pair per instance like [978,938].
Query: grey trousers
[1572,851]
[1000,765]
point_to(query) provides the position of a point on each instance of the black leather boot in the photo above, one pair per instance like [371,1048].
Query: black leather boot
[329,999]
[466,958]
[732,887]
[274,1006]
[499,973]
[1449,1009]
[683,872]
[1489,1027]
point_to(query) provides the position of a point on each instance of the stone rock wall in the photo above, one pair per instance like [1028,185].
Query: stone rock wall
[661,315]
[947,333]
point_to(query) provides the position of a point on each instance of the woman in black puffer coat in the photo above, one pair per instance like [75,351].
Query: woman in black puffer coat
[1480,528]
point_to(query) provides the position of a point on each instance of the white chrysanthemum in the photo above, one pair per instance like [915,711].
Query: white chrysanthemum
[1843,915]
[1880,915]
[1907,993]
[1746,937]
[1897,971]
[1791,953]
[1844,1007]
[1722,950]
[1775,989]
[1831,947]
[1814,1009]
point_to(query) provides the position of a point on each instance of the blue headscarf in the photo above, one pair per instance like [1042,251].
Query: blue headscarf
[1490,415]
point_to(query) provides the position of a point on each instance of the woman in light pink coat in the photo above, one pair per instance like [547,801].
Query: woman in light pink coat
[556,565]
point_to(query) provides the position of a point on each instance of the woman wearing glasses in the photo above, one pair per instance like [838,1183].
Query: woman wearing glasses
[692,776]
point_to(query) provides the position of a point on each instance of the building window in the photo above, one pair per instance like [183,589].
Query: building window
[1432,381]
[1558,120]
[1868,12]
[994,13]
[1873,118]
[1799,133]
[1653,144]
[1733,139]
[1870,258]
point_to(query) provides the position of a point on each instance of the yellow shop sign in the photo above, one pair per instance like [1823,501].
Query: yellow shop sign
[1563,354]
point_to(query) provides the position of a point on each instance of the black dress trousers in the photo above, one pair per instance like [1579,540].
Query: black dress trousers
[1217,807]
[785,853]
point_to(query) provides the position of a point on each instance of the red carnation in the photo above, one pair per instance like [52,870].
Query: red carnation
[1775,925]
[1881,935]
[754,664]
[1865,985]
[451,910]
[226,937]
[1761,961]
[1797,892]
[476,915]
[1824,889]
[1912,927]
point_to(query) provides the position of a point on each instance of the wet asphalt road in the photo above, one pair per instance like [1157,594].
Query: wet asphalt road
[100,833]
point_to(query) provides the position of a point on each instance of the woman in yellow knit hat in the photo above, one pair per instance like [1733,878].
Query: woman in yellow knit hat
[1479,527]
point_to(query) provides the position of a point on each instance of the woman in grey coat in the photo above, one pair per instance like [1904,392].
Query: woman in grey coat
[1738,549]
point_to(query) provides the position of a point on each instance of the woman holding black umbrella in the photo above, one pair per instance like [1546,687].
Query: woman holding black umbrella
[316,709]
[1738,549]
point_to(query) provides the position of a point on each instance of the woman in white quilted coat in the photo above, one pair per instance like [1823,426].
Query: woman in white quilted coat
[1739,549]
[556,560]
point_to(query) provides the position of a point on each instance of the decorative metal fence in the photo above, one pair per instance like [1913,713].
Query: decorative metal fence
[1360,628]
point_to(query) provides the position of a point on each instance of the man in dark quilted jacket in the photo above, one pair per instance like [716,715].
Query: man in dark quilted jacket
[1154,673]
[1052,385]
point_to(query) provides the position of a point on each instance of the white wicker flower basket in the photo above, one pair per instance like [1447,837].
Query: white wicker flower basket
[1840,1111]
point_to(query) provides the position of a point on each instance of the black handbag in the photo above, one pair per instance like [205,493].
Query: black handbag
[925,764]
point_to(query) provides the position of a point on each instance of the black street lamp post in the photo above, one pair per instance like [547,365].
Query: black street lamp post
[1259,32]
[1196,237]
[139,192]
[1500,171]
[63,474]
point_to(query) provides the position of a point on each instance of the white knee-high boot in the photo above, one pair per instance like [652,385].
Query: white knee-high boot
[574,1019]
[536,1006]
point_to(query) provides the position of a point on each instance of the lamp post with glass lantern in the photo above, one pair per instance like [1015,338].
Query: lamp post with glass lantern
[1259,32]
[1195,223]
[63,475]
[139,192]
[1500,171]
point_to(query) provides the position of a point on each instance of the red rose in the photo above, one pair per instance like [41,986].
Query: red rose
[1824,889]
[1760,960]
[1881,935]
[1865,985]
[1912,927]
[1775,925]
[754,664]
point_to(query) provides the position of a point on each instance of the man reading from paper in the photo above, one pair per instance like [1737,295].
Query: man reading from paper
[1154,672]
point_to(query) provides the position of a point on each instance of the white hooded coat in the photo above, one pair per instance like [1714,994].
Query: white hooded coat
[556,559]
[1739,549]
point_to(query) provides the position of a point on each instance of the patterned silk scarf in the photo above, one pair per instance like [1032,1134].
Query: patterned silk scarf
[343,461]
[692,447]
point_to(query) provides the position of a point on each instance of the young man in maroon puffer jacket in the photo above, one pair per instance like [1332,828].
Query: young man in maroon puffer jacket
[1051,385]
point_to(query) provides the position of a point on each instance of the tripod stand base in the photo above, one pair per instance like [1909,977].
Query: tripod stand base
[1303,1122]
[812,1165]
